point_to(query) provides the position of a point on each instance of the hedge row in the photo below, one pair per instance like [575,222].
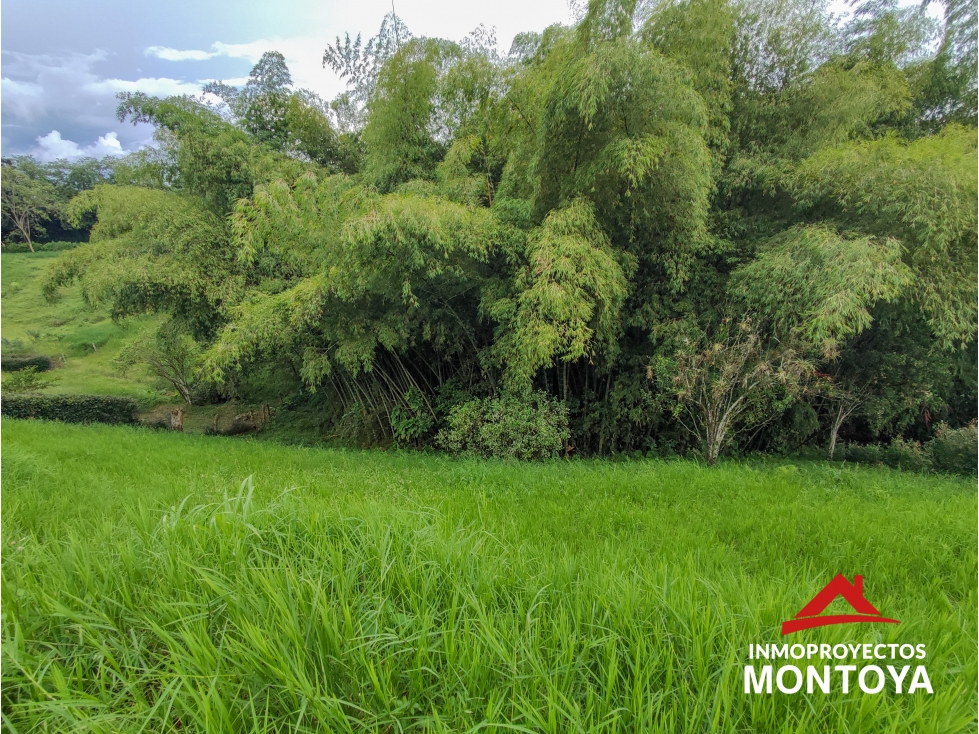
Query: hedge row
[15,364]
[70,408]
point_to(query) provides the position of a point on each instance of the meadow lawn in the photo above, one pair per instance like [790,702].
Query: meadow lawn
[155,582]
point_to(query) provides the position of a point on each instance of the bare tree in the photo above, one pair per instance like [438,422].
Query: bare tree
[735,384]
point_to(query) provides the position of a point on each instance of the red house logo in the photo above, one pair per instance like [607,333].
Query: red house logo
[808,617]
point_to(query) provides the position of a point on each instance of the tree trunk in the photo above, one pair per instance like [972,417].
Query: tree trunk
[715,438]
[713,451]
[834,431]
[24,225]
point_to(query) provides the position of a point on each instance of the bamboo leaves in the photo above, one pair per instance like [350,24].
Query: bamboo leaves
[569,297]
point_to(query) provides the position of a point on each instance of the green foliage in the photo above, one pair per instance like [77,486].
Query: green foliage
[15,363]
[40,246]
[414,421]
[954,450]
[951,451]
[816,285]
[623,127]
[171,354]
[921,194]
[389,267]
[361,64]
[204,154]
[735,384]
[568,297]
[27,380]
[35,195]
[510,426]
[26,203]
[70,408]
[151,250]
[906,455]
[401,134]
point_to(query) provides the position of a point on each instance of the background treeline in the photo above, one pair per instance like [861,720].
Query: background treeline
[34,198]
[682,226]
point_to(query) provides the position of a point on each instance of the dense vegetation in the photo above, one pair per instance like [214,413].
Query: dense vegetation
[383,591]
[690,225]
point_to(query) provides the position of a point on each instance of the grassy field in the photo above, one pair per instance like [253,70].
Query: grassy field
[156,582]
[83,342]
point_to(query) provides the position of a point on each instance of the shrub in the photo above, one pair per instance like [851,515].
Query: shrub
[869,454]
[26,380]
[954,450]
[70,408]
[906,455]
[414,421]
[15,364]
[511,426]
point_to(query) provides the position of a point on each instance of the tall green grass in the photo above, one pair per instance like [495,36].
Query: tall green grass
[174,583]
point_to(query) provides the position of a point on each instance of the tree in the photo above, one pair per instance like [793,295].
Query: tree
[27,203]
[567,299]
[27,380]
[171,354]
[818,287]
[360,65]
[152,251]
[735,384]
[842,402]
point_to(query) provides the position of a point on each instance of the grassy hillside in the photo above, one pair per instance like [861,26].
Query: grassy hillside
[82,341]
[150,585]
[83,344]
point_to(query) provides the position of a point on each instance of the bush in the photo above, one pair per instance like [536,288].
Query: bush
[413,422]
[70,408]
[869,454]
[15,364]
[906,455]
[26,380]
[899,454]
[530,426]
[954,450]
[951,451]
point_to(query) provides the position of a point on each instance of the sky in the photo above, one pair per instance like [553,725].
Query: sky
[62,62]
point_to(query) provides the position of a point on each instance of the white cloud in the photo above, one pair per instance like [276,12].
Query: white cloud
[303,54]
[68,86]
[153,86]
[22,99]
[65,93]
[172,54]
[52,146]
